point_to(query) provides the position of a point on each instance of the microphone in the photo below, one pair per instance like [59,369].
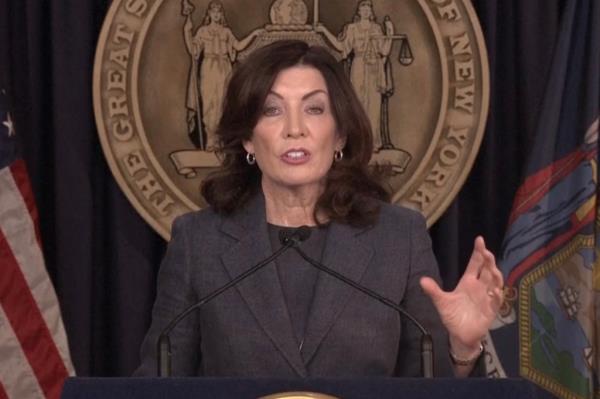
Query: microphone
[289,239]
[297,235]
[426,340]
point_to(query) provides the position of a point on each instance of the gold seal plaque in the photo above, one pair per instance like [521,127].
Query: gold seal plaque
[419,68]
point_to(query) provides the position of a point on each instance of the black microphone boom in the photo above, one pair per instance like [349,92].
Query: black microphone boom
[426,340]
[164,342]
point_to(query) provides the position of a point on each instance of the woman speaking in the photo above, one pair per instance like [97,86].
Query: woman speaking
[295,144]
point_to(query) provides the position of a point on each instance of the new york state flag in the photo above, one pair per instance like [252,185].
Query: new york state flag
[548,330]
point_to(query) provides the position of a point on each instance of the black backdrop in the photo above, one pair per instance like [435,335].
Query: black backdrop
[103,257]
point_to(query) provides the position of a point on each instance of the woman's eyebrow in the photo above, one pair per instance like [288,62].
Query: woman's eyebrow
[304,97]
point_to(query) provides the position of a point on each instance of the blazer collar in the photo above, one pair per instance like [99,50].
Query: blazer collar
[344,252]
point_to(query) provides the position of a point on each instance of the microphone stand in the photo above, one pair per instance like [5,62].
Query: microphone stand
[426,340]
[164,342]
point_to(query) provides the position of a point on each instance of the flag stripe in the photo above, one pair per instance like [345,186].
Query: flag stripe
[20,232]
[537,185]
[3,394]
[21,179]
[17,379]
[31,330]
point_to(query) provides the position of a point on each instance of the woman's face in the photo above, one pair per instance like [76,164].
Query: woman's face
[296,135]
[215,14]
[365,12]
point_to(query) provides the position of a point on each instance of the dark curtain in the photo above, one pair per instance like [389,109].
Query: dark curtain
[103,257]
[520,37]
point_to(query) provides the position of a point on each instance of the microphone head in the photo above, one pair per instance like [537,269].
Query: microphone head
[303,233]
[284,236]
[297,235]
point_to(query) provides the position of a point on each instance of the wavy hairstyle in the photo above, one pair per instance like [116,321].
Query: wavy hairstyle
[351,189]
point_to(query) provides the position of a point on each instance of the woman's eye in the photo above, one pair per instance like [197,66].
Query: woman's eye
[270,110]
[316,110]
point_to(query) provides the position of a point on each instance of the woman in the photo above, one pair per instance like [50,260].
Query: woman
[364,39]
[295,144]
[215,41]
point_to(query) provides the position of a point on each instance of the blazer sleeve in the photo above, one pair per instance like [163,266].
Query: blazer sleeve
[421,263]
[174,294]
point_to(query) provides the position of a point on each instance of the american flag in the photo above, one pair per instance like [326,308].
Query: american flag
[34,354]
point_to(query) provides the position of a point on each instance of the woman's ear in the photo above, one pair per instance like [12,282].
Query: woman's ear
[248,146]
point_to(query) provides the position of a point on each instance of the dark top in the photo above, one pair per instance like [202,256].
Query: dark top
[297,277]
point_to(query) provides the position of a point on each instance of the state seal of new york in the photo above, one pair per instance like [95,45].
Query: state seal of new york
[419,67]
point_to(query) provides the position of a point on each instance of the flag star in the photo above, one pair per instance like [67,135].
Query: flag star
[9,125]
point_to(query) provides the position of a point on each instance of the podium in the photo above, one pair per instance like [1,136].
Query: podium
[346,388]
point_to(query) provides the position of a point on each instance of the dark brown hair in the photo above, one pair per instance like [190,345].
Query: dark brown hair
[350,190]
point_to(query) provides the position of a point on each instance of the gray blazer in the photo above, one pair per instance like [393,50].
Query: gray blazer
[246,331]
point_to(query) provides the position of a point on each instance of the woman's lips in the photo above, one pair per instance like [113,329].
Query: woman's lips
[296,156]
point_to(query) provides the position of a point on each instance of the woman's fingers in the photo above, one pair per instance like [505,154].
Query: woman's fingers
[432,289]
[477,258]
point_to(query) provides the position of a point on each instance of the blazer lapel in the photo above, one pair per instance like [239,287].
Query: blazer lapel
[347,255]
[261,292]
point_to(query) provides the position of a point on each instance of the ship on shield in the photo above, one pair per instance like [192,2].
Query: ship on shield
[363,45]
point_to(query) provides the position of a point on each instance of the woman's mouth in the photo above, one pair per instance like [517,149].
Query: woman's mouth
[296,156]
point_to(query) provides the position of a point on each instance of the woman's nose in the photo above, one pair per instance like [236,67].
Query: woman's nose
[295,125]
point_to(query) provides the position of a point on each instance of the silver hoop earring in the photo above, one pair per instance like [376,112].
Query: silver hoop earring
[338,155]
[250,158]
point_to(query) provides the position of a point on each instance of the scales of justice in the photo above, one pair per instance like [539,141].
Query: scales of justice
[364,46]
